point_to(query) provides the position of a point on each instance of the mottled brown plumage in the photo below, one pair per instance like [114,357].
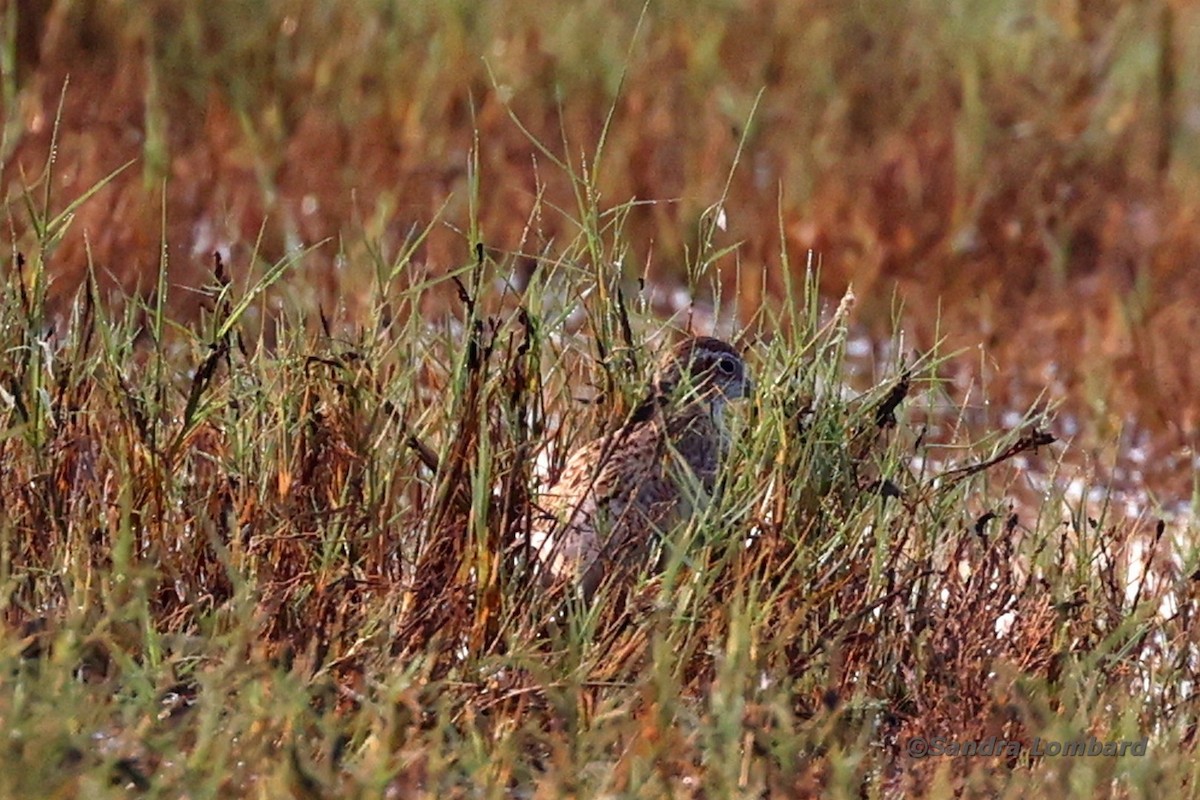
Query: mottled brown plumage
[618,490]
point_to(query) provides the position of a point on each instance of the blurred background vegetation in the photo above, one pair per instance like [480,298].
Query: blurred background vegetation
[1021,174]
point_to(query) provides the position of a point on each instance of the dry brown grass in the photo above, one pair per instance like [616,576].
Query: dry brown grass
[1024,177]
[303,569]
[241,559]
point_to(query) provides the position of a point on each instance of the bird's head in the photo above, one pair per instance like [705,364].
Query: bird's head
[703,368]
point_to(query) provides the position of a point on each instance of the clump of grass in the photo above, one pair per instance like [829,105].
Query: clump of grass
[997,161]
[234,564]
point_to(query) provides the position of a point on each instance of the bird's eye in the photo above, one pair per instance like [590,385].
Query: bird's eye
[726,366]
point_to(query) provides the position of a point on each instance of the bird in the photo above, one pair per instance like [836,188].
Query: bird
[617,492]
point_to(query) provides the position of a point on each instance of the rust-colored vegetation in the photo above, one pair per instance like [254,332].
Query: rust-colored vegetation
[1022,178]
[263,514]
